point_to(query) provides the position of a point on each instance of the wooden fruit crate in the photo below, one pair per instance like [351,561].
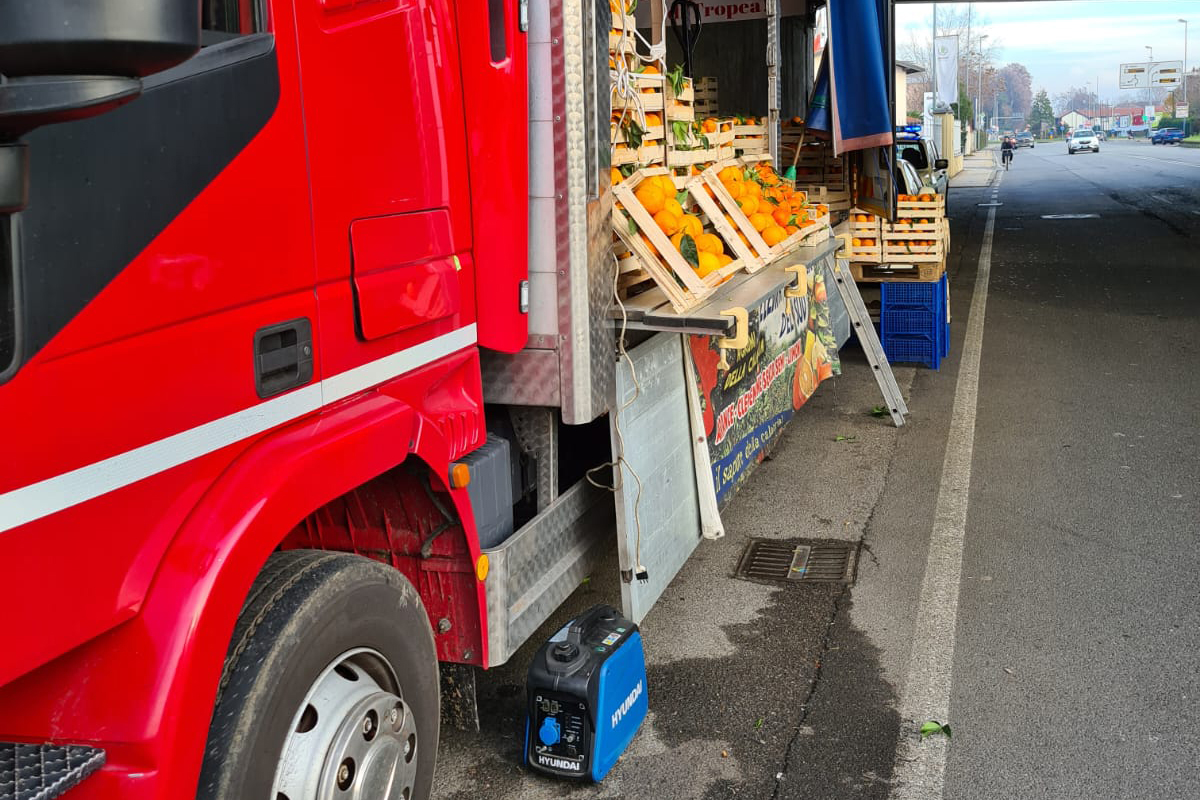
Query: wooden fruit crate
[705,91]
[659,258]
[816,230]
[650,94]
[681,106]
[683,158]
[913,239]
[836,199]
[750,139]
[653,153]
[883,273]
[929,205]
[653,134]
[864,226]
[621,36]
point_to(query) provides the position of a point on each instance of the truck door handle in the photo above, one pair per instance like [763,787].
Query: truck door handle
[283,357]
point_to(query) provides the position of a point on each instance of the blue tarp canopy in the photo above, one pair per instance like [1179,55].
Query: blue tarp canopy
[850,95]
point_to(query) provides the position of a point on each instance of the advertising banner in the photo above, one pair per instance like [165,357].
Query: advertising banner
[749,395]
[946,48]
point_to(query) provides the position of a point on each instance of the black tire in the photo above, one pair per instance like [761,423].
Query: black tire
[306,609]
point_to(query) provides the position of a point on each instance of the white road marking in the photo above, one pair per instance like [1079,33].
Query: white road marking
[1167,161]
[920,767]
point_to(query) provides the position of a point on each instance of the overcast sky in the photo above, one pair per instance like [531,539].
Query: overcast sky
[1073,42]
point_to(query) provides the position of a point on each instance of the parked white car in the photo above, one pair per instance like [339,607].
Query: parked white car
[1083,140]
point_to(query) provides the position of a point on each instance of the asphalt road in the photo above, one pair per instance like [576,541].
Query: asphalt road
[1077,665]
[1075,637]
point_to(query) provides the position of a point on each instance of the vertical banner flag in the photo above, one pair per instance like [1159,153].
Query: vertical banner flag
[946,48]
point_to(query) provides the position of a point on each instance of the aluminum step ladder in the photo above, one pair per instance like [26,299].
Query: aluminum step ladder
[865,331]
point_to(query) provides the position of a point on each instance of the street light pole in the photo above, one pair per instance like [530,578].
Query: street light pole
[1149,93]
[1185,80]
[979,83]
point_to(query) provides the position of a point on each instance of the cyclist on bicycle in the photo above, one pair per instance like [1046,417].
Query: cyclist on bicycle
[1006,150]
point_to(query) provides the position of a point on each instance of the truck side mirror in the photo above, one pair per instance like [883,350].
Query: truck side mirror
[64,60]
[941,163]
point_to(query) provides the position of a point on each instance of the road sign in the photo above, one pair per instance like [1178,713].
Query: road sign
[1181,110]
[1151,75]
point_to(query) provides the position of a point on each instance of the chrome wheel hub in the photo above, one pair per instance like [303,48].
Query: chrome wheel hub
[353,737]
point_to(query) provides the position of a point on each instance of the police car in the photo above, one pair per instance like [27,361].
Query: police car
[922,155]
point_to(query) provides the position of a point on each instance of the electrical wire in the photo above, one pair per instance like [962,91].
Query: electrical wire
[620,460]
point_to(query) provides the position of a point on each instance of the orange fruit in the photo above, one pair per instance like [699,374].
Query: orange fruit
[773,235]
[730,174]
[690,223]
[677,240]
[726,127]
[753,188]
[708,263]
[651,196]
[710,243]
[782,216]
[649,244]
[856,242]
[650,69]
[653,120]
[748,205]
[735,188]
[672,205]
[617,177]
[710,125]
[667,222]
[666,184]
[724,260]
[790,229]
[760,221]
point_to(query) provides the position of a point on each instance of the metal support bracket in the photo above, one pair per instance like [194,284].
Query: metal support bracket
[741,333]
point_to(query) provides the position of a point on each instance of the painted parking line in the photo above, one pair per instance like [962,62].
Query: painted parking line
[920,767]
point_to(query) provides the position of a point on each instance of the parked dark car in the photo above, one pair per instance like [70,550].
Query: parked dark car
[1167,136]
[1024,140]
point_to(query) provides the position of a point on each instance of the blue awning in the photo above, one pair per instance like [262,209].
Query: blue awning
[850,94]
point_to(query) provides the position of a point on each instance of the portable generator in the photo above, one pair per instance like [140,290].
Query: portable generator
[587,696]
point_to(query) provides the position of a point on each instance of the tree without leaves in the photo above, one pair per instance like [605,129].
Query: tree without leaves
[1076,99]
[1016,95]
[973,51]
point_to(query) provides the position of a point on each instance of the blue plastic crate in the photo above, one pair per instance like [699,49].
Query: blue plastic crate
[914,349]
[925,323]
[897,296]
[945,295]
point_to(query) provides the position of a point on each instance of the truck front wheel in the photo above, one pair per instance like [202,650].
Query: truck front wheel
[330,687]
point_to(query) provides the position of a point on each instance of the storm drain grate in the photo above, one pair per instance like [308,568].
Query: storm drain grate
[793,561]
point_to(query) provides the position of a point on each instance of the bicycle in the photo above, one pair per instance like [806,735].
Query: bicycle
[1006,156]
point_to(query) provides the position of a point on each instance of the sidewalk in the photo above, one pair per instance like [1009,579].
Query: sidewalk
[977,170]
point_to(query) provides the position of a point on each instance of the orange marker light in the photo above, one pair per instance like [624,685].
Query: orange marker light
[460,476]
[481,567]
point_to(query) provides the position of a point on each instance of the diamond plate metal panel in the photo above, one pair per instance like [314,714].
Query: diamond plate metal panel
[537,435]
[527,378]
[537,567]
[44,771]
[583,230]
[658,524]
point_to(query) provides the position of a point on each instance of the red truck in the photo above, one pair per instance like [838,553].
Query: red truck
[302,357]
